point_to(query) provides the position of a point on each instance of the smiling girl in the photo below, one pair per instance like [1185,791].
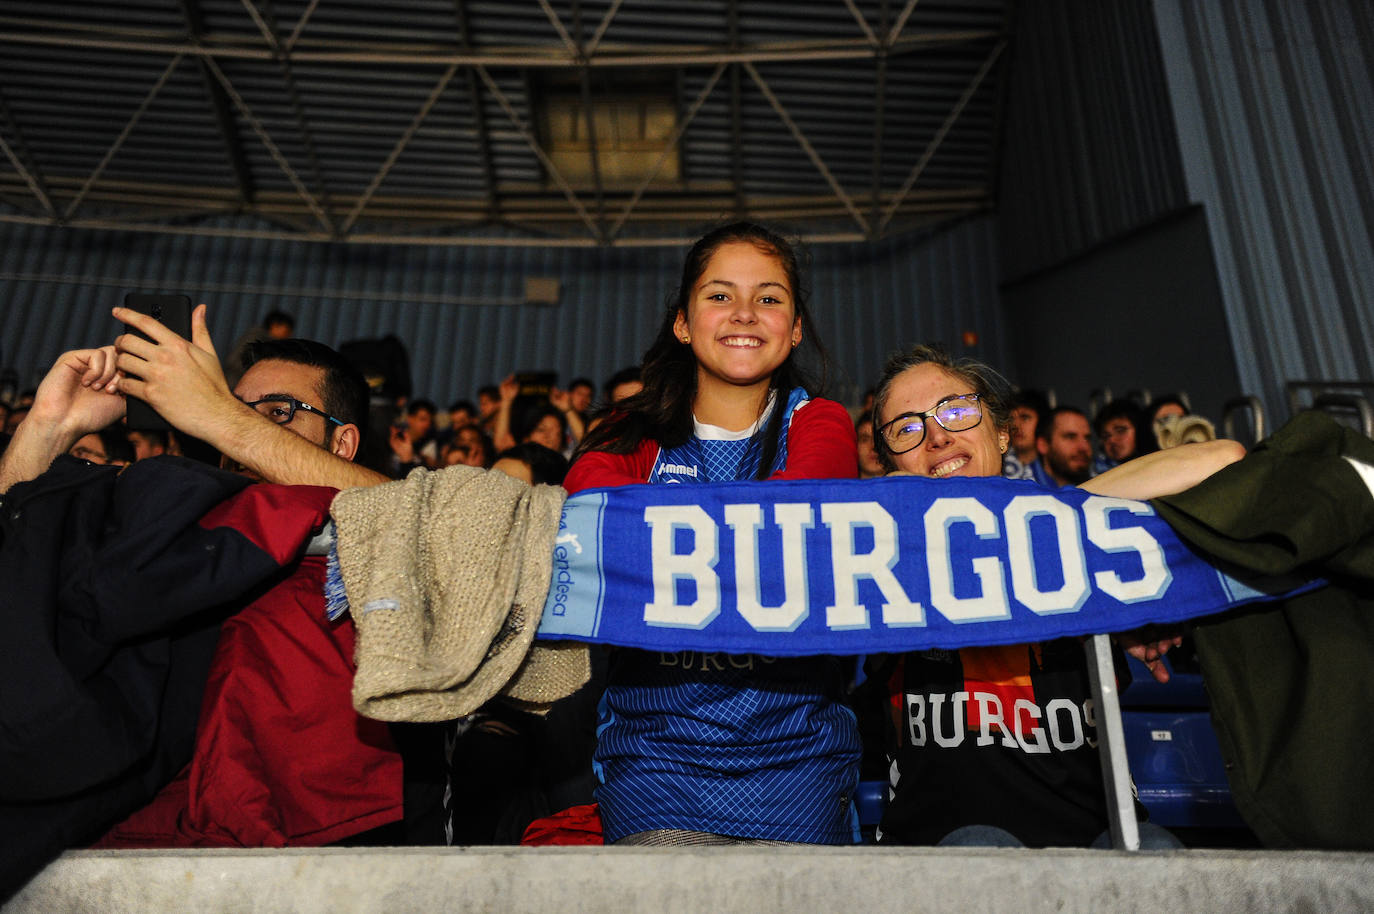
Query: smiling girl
[713,748]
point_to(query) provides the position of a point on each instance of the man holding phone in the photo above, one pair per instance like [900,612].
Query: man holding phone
[274,424]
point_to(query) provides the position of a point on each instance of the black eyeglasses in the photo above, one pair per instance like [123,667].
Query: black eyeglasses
[953,414]
[282,409]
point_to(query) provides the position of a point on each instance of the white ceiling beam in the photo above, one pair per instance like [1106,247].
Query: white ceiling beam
[668,148]
[533,57]
[605,24]
[30,178]
[300,25]
[862,21]
[584,79]
[538,151]
[123,135]
[266,30]
[552,15]
[806,146]
[940,135]
[266,22]
[406,240]
[900,24]
[277,156]
[396,150]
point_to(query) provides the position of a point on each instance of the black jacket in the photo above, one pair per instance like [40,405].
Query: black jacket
[111,595]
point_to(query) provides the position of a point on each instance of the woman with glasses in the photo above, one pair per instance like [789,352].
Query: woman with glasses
[965,772]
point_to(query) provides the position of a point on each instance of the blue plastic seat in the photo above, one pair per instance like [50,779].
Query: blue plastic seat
[1174,755]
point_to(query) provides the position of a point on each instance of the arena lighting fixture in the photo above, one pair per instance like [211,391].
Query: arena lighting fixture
[611,138]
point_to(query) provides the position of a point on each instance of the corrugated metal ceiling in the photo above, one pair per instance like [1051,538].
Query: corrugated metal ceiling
[418,122]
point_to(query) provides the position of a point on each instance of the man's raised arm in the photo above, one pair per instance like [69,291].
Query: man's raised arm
[183,381]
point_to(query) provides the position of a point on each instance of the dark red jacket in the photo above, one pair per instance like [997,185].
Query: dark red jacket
[281,758]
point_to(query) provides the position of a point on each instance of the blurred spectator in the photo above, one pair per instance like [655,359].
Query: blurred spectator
[1175,430]
[1124,433]
[866,402]
[574,425]
[150,443]
[488,404]
[470,447]
[521,418]
[542,424]
[533,463]
[108,447]
[412,444]
[1162,408]
[576,404]
[276,325]
[581,391]
[1167,405]
[870,465]
[624,383]
[16,416]
[1064,442]
[1027,407]
[461,413]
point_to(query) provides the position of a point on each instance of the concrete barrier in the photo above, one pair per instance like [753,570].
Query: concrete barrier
[663,881]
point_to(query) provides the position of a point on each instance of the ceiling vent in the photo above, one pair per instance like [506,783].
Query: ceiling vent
[622,134]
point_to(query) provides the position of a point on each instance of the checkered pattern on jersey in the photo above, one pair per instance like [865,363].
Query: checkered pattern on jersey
[739,745]
[724,461]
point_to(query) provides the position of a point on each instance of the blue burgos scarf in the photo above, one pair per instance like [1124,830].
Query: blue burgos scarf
[855,567]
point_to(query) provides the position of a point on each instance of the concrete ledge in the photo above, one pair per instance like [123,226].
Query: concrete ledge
[663,881]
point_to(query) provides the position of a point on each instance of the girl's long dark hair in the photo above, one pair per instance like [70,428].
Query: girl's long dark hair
[662,411]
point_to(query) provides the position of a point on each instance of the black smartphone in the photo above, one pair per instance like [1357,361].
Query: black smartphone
[174,313]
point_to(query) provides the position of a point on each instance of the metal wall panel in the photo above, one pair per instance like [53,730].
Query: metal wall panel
[1275,111]
[1089,150]
[460,311]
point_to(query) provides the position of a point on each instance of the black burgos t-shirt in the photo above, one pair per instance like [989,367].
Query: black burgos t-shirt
[1003,736]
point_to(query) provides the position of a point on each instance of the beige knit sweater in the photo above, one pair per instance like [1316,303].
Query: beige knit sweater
[446,574]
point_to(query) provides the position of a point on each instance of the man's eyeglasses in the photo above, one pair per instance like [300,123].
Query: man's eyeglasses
[954,414]
[282,409]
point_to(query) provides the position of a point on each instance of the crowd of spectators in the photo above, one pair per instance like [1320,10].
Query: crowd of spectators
[503,765]
[532,435]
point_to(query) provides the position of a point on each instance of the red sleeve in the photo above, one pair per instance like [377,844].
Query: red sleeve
[821,443]
[281,758]
[602,469]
